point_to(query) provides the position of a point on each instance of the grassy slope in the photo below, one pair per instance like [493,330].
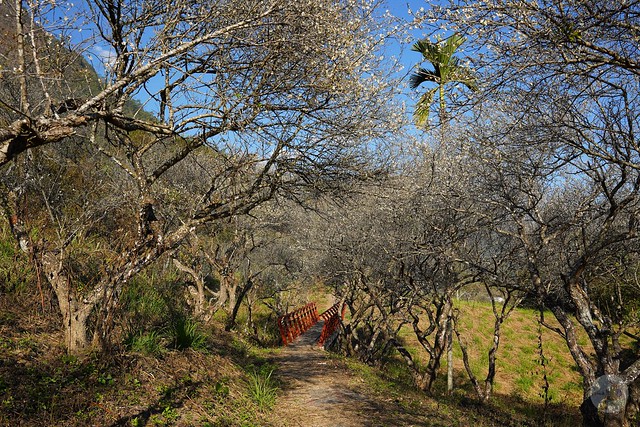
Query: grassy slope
[41,386]
[518,367]
[518,386]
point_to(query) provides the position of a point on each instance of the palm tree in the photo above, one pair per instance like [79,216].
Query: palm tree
[446,69]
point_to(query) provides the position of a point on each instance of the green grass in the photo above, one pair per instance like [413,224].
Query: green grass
[16,272]
[524,384]
[262,388]
[186,334]
[518,371]
[148,343]
[454,410]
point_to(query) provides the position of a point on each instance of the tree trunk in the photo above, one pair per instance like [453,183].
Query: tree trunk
[599,417]
[75,312]
[467,366]
[227,293]
[607,404]
[75,327]
[632,411]
[590,414]
[491,372]
[201,301]
[367,357]
[105,324]
[75,315]
[197,295]
[231,322]
[232,289]
[439,344]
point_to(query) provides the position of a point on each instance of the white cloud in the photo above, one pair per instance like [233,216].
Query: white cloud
[106,56]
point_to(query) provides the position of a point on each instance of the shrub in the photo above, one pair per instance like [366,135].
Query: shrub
[187,334]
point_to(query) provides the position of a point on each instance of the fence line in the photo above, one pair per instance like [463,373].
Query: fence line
[332,319]
[295,323]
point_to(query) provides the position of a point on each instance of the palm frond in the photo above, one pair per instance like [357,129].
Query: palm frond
[421,113]
[419,46]
[451,44]
[464,76]
[429,50]
[423,75]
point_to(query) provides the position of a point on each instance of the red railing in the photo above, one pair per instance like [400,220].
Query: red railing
[331,321]
[295,323]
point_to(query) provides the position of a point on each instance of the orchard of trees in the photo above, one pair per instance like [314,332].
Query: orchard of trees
[240,149]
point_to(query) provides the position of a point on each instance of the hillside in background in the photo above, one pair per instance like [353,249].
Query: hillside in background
[7,30]
[520,372]
[68,74]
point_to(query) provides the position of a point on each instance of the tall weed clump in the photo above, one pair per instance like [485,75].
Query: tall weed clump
[186,333]
[262,387]
[150,343]
[155,315]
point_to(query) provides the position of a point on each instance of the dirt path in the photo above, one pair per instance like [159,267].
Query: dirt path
[320,391]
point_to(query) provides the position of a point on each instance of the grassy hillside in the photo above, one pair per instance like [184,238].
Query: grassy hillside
[41,386]
[519,381]
[519,371]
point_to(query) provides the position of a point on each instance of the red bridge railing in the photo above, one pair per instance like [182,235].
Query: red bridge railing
[332,318]
[295,323]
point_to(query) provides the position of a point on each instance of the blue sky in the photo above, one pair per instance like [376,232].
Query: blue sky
[400,49]
[399,8]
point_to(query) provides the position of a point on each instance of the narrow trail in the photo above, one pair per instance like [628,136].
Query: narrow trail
[320,391]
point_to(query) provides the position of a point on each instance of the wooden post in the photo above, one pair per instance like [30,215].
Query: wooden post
[449,357]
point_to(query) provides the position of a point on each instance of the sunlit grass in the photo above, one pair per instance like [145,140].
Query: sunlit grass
[518,368]
[262,388]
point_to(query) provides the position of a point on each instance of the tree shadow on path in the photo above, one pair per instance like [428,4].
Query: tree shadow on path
[319,390]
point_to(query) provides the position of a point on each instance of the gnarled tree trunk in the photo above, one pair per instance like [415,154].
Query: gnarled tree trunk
[74,309]
[439,327]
